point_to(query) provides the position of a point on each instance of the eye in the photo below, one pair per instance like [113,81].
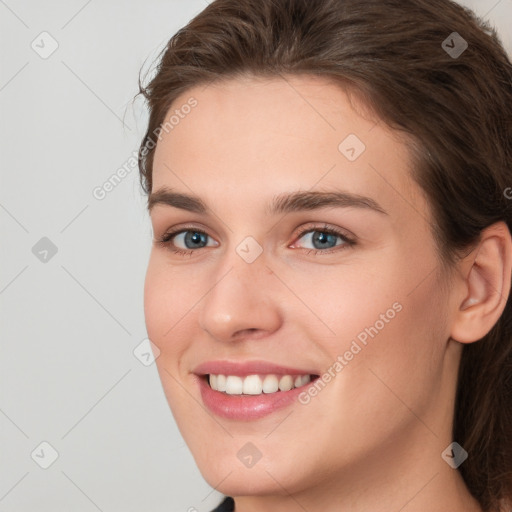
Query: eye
[191,239]
[324,239]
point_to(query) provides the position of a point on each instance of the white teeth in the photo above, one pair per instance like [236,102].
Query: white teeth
[305,380]
[252,385]
[221,383]
[255,384]
[286,383]
[270,384]
[234,385]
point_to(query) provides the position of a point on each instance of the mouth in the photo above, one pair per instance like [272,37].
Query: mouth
[256,384]
[250,390]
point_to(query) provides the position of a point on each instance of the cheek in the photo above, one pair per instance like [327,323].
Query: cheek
[347,302]
[401,360]
[165,303]
[155,300]
[389,327]
[168,296]
[166,306]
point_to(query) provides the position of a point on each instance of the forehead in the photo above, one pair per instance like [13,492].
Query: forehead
[251,135]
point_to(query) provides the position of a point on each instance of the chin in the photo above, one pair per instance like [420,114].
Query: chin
[258,480]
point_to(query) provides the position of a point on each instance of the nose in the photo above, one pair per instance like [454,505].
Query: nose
[242,302]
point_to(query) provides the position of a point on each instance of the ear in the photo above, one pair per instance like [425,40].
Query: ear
[483,285]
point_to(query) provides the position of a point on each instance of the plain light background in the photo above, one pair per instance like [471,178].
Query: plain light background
[71,320]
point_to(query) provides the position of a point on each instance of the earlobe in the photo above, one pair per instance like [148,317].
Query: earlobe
[487,281]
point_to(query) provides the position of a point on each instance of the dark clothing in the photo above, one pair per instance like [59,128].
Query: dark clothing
[228,505]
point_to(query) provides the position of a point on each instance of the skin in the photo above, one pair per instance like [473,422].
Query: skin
[372,439]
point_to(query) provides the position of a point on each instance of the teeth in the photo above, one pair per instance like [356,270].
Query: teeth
[270,384]
[286,383]
[256,384]
[305,380]
[252,385]
[234,385]
[221,382]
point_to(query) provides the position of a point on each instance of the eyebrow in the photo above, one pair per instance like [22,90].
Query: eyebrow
[282,203]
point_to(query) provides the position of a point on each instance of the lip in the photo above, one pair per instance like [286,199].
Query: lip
[244,368]
[246,407]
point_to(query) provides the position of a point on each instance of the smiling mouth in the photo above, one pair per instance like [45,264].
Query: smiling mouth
[257,384]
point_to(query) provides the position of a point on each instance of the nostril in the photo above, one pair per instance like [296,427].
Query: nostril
[248,333]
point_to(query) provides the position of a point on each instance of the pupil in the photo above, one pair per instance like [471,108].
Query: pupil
[322,238]
[195,238]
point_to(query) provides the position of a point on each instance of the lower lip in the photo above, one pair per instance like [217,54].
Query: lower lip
[246,407]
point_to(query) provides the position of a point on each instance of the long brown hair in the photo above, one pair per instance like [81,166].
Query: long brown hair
[454,102]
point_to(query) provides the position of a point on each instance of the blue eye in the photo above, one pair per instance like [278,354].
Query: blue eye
[190,237]
[324,238]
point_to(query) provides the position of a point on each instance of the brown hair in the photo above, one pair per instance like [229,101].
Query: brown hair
[456,109]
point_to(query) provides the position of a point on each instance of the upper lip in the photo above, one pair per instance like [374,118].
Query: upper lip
[243,368]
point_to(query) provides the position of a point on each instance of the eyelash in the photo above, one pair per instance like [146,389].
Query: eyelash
[165,240]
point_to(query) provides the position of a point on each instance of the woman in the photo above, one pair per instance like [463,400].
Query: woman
[329,286]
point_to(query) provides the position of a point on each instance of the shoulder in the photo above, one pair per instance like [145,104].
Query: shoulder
[228,505]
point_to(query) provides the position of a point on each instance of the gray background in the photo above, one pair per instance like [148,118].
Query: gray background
[70,323]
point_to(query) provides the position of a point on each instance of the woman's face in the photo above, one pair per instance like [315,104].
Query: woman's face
[264,291]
